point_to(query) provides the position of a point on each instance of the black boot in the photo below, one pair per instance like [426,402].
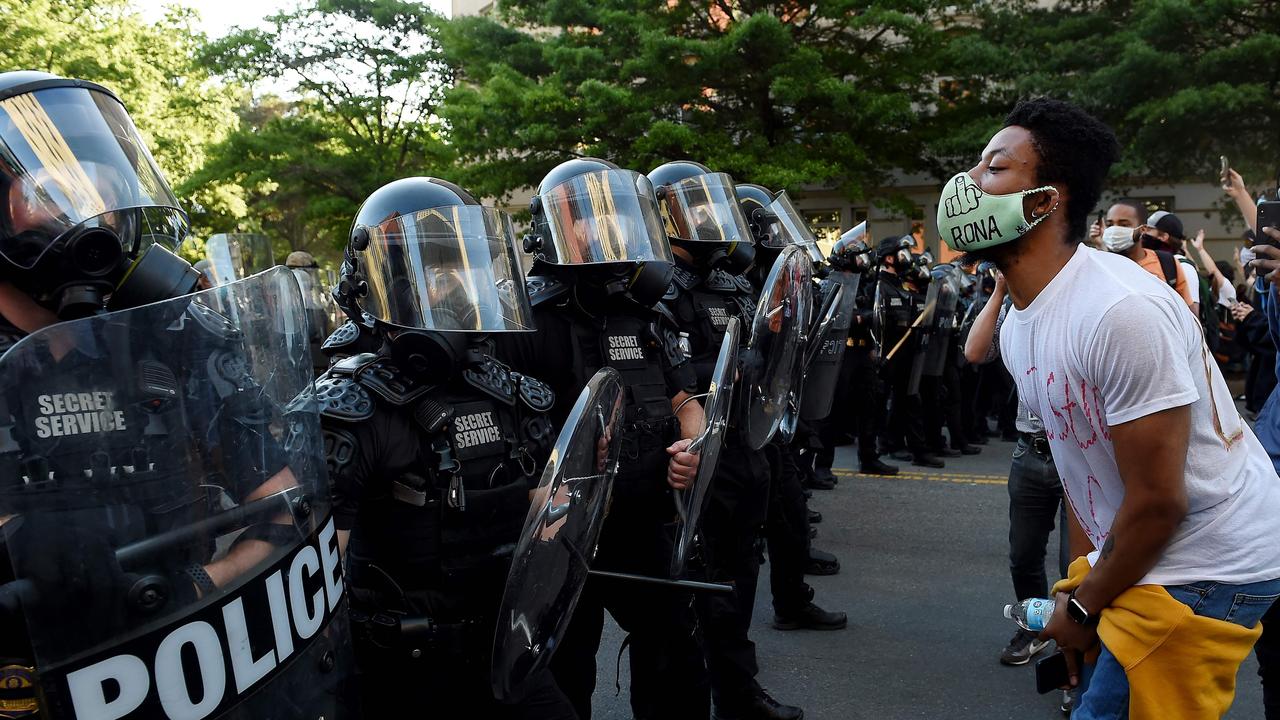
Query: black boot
[810,617]
[815,517]
[927,460]
[820,480]
[875,467]
[759,706]
[821,563]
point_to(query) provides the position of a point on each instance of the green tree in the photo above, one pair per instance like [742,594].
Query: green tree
[178,108]
[786,94]
[365,77]
[1181,81]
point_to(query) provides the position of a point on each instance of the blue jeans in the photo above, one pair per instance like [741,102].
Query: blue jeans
[1104,688]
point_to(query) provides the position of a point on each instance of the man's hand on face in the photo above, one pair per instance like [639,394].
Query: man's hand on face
[683,467]
[1072,638]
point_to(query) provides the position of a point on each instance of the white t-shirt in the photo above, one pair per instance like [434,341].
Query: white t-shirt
[1191,277]
[1105,343]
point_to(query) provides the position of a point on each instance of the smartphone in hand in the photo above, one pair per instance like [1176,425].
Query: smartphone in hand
[1052,673]
[1268,216]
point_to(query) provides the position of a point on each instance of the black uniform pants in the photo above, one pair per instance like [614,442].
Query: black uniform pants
[668,674]
[1035,505]
[787,532]
[733,521]
[906,412]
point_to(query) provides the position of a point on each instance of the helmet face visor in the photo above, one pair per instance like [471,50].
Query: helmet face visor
[69,155]
[450,268]
[704,208]
[608,216]
[794,227]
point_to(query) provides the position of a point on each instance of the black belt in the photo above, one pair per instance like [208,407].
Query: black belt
[1038,442]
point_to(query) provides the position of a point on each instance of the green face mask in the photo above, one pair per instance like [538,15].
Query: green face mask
[970,219]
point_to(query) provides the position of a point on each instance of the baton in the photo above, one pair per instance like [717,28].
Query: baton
[914,325]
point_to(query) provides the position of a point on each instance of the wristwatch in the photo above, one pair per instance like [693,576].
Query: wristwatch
[1076,611]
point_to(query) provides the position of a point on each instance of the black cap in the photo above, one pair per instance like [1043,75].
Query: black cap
[887,247]
[1167,222]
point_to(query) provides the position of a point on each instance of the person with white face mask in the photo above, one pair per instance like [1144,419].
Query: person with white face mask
[1124,223]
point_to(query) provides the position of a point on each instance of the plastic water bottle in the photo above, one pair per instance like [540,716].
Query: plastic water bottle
[1031,614]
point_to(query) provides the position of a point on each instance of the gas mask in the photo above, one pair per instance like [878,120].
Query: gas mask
[429,351]
[89,271]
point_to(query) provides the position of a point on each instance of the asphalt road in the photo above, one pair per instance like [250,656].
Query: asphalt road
[924,579]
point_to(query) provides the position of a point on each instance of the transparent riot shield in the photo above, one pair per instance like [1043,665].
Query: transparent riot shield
[236,256]
[947,279]
[164,507]
[827,344]
[716,405]
[551,560]
[775,350]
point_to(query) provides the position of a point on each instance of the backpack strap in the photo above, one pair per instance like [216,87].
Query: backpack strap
[1168,266]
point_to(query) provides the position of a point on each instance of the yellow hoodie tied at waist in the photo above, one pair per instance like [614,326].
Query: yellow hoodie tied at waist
[1181,666]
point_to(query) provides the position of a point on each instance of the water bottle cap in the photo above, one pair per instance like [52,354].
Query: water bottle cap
[1008,612]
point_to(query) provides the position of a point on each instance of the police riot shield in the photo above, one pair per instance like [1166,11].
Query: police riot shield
[775,349]
[827,344]
[165,512]
[716,405]
[551,560]
[947,279]
[236,256]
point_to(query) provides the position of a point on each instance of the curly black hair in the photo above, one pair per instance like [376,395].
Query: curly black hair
[1075,148]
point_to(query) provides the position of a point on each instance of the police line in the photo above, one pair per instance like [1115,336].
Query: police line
[206,661]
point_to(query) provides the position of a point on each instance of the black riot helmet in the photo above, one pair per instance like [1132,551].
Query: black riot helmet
[87,222]
[700,214]
[597,223]
[774,221]
[852,252]
[434,269]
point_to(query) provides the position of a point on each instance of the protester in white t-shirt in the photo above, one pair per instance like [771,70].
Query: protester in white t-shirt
[1167,485]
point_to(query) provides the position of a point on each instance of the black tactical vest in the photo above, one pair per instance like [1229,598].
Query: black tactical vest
[446,503]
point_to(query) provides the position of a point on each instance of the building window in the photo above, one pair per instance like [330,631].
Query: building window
[825,225]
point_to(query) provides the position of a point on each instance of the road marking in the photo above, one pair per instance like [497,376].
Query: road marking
[957,478]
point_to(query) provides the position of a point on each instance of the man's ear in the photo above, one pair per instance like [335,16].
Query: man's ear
[1044,202]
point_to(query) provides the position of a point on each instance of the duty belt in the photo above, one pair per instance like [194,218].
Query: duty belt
[1039,444]
[642,435]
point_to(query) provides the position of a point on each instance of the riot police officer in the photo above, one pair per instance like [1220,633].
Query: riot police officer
[150,467]
[602,261]
[712,246]
[788,524]
[433,445]
[899,307]
[861,392]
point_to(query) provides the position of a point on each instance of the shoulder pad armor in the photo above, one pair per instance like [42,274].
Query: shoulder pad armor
[744,285]
[664,311]
[342,338]
[533,392]
[685,278]
[493,379]
[672,293]
[349,366]
[720,281]
[543,288]
[391,383]
[747,310]
[212,321]
[342,398]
